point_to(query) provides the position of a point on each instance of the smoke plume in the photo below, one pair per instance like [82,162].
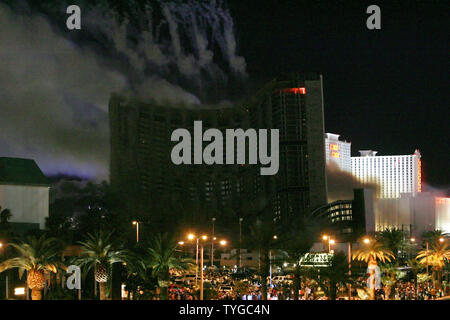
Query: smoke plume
[55,84]
[341,183]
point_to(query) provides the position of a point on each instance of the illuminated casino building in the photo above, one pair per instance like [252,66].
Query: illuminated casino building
[394,174]
[338,151]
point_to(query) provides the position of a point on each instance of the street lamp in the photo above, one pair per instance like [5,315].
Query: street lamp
[275,237]
[240,242]
[212,243]
[330,241]
[204,238]
[136,223]
[366,240]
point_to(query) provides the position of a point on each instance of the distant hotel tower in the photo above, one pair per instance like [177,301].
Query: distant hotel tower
[140,149]
[293,103]
[394,174]
[338,151]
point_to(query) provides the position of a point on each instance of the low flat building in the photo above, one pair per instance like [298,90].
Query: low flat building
[24,190]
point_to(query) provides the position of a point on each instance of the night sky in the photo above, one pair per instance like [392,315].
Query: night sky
[385,90]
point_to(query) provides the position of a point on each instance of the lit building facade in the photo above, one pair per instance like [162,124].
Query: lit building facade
[394,174]
[416,214]
[338,151]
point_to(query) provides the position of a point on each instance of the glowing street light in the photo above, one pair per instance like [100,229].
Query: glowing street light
[330,241]
[136,223]
[192,236]
[366,240]
[441,239]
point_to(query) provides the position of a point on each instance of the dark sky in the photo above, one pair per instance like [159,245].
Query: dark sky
[385,90]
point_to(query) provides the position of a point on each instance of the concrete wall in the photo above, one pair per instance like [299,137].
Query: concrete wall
[28,204]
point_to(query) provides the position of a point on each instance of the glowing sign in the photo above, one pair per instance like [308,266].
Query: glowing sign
[334,146]
[419,176]
[335,154]
[301,90]
[316,260]
[19,291]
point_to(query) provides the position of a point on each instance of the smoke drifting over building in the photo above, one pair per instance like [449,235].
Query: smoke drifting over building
[56,85]
[341,183]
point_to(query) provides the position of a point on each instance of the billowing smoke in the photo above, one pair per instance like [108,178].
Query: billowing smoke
[341,183]
[55,84]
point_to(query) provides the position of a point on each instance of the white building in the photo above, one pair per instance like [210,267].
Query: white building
[418,214]
[393,174]
[24,190]
[338,151]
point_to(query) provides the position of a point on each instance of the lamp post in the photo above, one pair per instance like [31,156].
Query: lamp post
[270,263]
[240,242]
[212,243]
[6,277]
[192,237]
[330,242]
[371,277]
[349,250]
[412,240]
[136,223]
[204,238]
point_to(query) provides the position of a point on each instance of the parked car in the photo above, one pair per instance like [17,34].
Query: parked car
[226,288]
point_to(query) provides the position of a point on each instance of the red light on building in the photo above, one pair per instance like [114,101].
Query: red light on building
[442,200]
[334,147]
[301,90]
[419,176]
[335,154]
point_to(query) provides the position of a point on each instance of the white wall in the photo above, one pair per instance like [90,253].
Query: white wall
[27,203]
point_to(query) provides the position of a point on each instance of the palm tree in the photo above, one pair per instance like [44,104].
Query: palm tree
[415,266]
[36,256]
[433,236]
[335,275]
[261,238]
[392,239]
[162,260]
[5,215]
[99,252]
[299,239]
[391,275]
[372,252]
[437,257]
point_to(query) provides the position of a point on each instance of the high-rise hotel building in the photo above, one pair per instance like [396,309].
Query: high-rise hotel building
[338,151]
[393,174]
[141,167]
